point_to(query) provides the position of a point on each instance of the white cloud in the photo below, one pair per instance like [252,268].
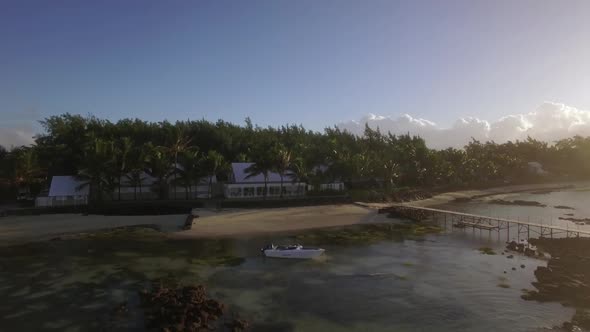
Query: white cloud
[550,122]
[12,137]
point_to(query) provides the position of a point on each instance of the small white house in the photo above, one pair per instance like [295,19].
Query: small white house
[64,190]
[242,186]
[197,190]
[536,167]
[140,190]
[335,185]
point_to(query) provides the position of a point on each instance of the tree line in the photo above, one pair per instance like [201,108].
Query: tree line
[101,153]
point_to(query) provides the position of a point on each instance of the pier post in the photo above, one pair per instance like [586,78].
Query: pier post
[508,231]
[528,233]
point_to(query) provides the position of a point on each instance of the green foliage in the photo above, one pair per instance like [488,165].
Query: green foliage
[487,251]
[102,152]
[366,234]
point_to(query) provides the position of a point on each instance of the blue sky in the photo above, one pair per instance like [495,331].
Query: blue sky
[314,62]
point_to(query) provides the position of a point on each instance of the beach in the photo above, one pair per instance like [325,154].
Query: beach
[439,281]
[229,222]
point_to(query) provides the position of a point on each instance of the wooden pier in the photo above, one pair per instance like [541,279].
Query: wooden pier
[466,220]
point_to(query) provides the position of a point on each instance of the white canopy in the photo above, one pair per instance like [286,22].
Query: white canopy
[67,186]
[241,176]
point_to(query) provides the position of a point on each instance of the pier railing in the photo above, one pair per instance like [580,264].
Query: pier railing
[467,220]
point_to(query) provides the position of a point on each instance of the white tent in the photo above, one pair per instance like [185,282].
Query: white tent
[64,190]
[67,186]
[242,186]
[241,176]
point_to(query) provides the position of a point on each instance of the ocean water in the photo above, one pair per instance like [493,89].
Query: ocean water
[437,282]
[577,198]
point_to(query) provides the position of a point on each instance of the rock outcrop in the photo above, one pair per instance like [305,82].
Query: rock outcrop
[184,309]
[566,278]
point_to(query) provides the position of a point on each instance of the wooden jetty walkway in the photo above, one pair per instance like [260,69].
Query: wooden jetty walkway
[464,220]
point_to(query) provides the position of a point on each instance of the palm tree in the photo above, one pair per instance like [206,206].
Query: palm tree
[180,144]
[159,167]
[299,172]
[27,170]
[264,165]
[282,165]
[96,170]
[122,149]
[190,169]
[214,164]
[136,163]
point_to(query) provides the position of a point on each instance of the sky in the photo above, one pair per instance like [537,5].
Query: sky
[310,62]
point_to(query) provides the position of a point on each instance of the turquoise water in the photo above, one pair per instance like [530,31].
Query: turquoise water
[431,283]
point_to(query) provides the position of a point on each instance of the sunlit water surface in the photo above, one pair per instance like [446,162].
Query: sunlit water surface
[432,283]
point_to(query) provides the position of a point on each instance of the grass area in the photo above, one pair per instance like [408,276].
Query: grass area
[360,234]
[487,251]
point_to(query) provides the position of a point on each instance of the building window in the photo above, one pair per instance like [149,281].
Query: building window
[259,191]
[248,192]
[274,191]
[235,192]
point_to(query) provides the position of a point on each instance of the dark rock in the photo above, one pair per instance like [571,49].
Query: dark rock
[584,220]
[582,318]
[567,326]
[566,278]
[504,271]
[237,325]
[564,207]
[188,223]
[510,256]
[522,266]
[513,269]
[516,202]
[530,252]
[512,245]
[406,213]
[121,309]
[180,309]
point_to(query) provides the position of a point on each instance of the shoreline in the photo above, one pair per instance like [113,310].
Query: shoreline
[453,196]
[235,222]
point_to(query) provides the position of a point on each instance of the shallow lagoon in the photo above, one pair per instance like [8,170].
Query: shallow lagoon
[387,280]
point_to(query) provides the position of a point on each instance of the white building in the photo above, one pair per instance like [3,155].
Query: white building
[64,190]
[335,185]
[242,186]
[142,189]
[197,190]
[536,167]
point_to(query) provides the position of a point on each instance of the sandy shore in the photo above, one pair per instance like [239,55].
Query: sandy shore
[261,221]
[212,223]
[228,222]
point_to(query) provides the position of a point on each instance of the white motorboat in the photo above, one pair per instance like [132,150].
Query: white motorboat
[291,251]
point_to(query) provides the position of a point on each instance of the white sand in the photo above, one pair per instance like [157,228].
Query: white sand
[259,221]
[228,222]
